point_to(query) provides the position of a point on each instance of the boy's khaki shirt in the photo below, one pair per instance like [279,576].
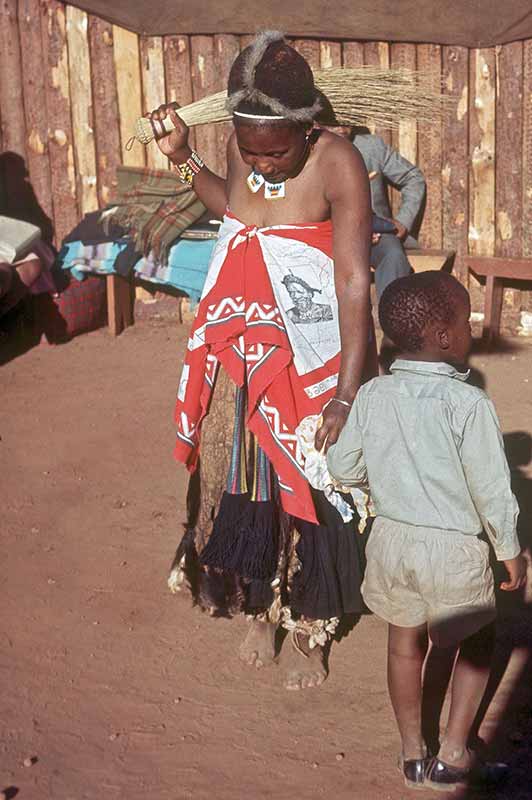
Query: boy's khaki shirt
[430,448]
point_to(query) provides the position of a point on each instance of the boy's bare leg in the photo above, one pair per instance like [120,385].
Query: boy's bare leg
[470,678]
[304,666]
[258,648]
[436,679]
[407,648]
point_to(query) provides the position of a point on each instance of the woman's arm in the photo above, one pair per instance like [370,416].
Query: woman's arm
[210,188]
[347,190]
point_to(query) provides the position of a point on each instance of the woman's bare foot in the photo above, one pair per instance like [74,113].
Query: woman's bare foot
[258,648]
[459,757]
[305,667]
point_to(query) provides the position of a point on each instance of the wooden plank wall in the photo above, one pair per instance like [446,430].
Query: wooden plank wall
[75,116]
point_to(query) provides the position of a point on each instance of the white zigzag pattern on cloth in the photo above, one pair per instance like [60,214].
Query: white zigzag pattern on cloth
[187,428]
[254,352]
[211,368]
[255,355]
[288,440]
[236,304]
[263,312]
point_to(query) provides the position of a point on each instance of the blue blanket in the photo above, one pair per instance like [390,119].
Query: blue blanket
[186,269]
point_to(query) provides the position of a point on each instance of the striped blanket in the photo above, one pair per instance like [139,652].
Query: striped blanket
[154,207]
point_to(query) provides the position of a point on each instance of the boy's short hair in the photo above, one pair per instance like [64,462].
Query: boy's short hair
[409,304]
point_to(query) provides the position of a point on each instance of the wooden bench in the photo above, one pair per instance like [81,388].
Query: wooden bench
[423,260]
[496,271]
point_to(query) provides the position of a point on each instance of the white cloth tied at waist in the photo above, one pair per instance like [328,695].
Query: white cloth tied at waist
[320,478]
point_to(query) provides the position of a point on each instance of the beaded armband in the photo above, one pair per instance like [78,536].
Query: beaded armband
[189,168]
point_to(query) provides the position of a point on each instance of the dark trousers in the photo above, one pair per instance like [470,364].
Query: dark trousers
[389,261]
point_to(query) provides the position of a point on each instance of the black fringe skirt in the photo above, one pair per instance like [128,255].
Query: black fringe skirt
[242,553]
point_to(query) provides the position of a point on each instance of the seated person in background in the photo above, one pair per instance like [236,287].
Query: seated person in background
[17,196]
[24,266]
[430,447]
[386,166]
[16,280]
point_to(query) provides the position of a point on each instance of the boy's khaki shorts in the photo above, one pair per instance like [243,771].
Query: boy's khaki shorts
[425,575]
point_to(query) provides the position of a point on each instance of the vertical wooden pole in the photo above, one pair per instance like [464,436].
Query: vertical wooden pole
[404,138]
[226,49]
[309,49]
[129,94]
[330,54]
[508,160]
[527,160]
[29,16]
[482,153]
[455,156]
[57,89]
[176,54]
[203,82]
[105,106]
[153,89]
[13,130]
[353,54]
[492,309]
[378,55]
[429,151]
[128,86]
[81,105]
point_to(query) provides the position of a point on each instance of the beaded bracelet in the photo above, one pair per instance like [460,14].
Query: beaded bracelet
[189,168]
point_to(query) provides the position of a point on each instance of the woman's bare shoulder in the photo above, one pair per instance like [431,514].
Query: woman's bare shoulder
[340,164]
[333,148]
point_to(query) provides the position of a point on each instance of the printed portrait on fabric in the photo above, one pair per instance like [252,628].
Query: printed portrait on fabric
[305,309]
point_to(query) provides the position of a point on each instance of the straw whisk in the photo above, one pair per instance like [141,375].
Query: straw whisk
[357,96]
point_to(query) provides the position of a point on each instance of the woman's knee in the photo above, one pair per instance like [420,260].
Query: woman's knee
[29,271]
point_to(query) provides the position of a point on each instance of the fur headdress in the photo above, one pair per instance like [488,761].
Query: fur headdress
[271,79]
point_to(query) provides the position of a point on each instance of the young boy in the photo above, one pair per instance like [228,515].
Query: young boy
[430,448]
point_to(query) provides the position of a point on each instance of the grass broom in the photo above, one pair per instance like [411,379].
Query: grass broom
[352,95]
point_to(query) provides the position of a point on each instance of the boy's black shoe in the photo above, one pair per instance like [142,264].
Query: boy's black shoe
[413,770]
[444,778]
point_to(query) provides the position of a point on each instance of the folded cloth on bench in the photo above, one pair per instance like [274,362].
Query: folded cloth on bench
[90,230]
[99,258]
[186,269]
[154,208]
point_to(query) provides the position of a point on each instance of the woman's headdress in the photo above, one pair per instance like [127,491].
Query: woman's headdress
[269,80]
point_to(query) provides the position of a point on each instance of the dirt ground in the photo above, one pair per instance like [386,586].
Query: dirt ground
[114,688]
